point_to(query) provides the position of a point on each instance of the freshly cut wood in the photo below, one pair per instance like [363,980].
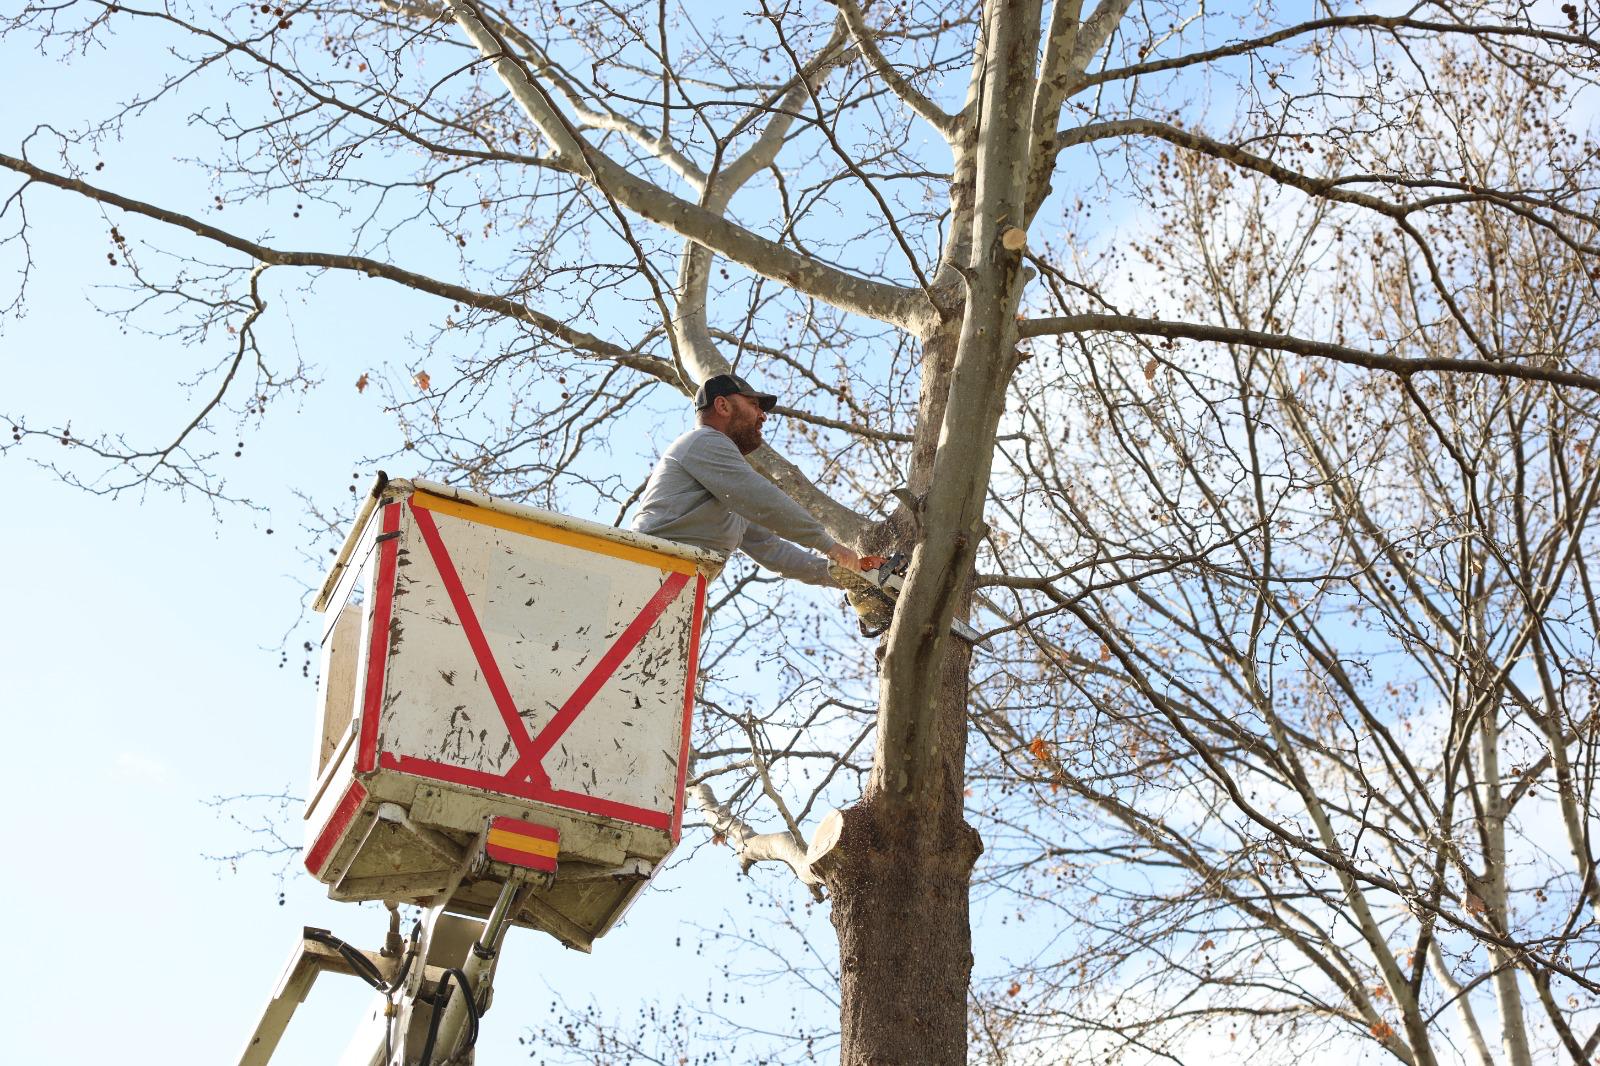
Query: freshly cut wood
[823,842]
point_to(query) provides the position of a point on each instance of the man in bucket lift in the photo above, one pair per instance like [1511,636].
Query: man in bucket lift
[703,493]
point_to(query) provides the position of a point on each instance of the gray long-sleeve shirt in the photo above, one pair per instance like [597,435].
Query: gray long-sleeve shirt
[703,493]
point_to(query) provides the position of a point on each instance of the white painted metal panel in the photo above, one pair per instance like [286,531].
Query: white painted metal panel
[437,702]
[562,627]
[625,743]
[509,663]
[336,687]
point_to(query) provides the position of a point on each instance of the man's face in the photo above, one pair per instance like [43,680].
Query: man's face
[744,422]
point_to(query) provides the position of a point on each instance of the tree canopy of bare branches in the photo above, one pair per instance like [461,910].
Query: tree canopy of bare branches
[1232,369]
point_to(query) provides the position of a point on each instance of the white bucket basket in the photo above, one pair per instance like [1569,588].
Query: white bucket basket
[486,660]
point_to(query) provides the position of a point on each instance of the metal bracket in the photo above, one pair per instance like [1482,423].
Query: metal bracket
[309,959]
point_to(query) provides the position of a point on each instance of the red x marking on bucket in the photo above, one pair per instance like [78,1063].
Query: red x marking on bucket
[527,777]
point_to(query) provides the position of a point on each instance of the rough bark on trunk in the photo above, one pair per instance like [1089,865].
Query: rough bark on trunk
[899,876]
[905,946]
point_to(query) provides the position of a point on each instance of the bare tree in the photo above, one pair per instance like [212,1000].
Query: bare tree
[1308,718]
[886,210]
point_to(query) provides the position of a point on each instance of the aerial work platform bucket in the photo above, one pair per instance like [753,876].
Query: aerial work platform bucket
[502,687]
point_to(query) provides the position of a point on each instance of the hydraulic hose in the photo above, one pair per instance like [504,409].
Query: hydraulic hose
[442,997]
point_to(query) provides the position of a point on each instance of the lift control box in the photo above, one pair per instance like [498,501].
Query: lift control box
[502,686]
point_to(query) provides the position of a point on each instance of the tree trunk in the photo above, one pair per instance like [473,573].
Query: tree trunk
[905,946]
[899,876]
[900,870]
[1496,897]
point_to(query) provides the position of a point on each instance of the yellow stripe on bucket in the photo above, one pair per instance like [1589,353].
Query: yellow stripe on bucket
[533,528]
[503,838]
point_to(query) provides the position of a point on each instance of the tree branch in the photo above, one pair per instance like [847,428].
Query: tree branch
[661,369]
[899,305]
[1155,327]
[1341,22]
[930,112]
[750,847]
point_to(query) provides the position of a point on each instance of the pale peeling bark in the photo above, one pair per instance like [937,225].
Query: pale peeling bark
[894,304]
[590,116]
[952,513]
[906,847]
[700,354]
[710,232]
[1057,74]
[748,845]
[1493,889]
[1097,30]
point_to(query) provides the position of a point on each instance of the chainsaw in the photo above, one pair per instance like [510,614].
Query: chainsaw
[888,579]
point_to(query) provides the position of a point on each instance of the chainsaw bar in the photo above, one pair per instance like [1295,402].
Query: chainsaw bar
[888,580]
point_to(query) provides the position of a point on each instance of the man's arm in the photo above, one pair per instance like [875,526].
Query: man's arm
[714,461]
[775,553]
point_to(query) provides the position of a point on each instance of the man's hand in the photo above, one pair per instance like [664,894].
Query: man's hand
[847,558]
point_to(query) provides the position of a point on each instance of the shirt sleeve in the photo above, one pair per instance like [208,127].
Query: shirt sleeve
[775,553]
[715,462]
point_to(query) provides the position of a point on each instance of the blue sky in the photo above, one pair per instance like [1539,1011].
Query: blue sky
[141,653]
[141,650]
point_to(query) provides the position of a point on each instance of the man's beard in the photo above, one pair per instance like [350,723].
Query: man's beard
[747,438]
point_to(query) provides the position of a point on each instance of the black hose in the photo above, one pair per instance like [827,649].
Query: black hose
[440,999]
[363,968]
[400,976]
[359,963]
[394,986]
[472,1008]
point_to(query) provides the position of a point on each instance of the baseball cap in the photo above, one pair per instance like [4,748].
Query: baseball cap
[730,385]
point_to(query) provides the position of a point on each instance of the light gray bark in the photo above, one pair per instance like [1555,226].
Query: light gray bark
[952,513]
[889,303]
